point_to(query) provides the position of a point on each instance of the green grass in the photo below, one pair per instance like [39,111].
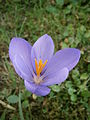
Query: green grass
[68,25]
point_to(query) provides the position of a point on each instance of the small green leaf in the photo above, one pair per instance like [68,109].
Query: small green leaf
[75,74]
[60,2]
[82,28]
[84,76]
[73,98]
[55,88]
[51,95]
[12,99]
[64,45]
[44,110]
[52,9]
[66,33]
[87,34]
[71,91]
[25,104]
[68,84]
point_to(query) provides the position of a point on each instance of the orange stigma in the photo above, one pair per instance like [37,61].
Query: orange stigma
[40,66]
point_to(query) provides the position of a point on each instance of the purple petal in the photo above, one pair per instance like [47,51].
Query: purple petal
[68,58]
[42,91]
[37,89]
[30,86]
[22,68]
[20,55]
[56,78]
[42,49]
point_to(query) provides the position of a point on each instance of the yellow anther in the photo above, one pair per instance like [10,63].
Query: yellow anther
[40,62]
[40,66]
[44,63]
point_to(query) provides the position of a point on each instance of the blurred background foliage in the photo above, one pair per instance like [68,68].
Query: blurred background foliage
[68,23]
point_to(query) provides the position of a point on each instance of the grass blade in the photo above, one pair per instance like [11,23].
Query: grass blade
[20,108]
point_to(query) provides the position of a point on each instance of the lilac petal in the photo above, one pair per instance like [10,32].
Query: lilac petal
[37,89]
[42,91]
[42,49]
[67,57]
[56,78]
[20,55]
[30,86]
[22,68]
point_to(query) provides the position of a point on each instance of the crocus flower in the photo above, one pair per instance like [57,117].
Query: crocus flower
[39,66]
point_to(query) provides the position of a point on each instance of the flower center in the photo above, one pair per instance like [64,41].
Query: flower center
[39,67]
[37,79]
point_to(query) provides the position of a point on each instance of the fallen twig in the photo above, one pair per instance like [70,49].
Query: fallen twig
[7,105]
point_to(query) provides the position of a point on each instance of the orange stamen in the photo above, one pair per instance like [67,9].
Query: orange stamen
[40,66]
[40,62]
